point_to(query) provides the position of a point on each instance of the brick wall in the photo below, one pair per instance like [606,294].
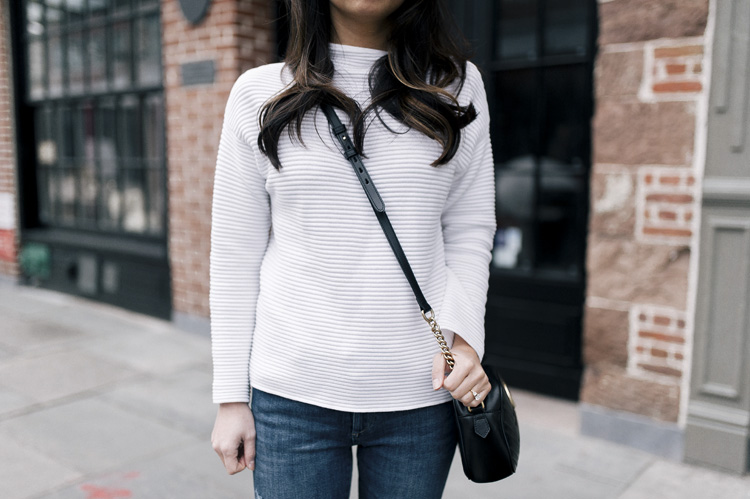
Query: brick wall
[236,35]
[8,210]
[649,77]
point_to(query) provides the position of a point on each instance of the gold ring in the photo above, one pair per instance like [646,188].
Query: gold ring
[476,395]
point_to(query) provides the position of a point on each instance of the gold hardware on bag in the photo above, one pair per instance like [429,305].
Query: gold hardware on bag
[435,327]
[510,397]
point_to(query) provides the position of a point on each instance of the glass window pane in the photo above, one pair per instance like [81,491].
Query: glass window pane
[157,203]
[63,132]
[34,17]
[560,206]
[46,153]
[121,56]
[36,67]
[149,51]
[109,213]
[517,24]
[134,200]
[514,122]
[75,63]
[98,8]
[66,121]
[75,10]
[514,205]
[120,5]
[567,97]
[55,13]
[153,127]
[87,165]
[98,59]
[67,186]
[566,23]
[55,50]
[128,128]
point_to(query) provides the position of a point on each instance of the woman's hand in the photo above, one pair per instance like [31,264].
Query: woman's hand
[467,374]
[233,437]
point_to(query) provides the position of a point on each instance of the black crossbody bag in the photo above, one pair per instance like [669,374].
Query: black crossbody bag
[488,436]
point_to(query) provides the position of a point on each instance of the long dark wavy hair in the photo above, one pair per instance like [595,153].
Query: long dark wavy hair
[425,56]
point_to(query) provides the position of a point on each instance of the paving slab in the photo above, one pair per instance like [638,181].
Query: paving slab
[178,399]
[665,479]
[29,333]
[91,436]
[13,401]
[151,352]
[58,374]
[193,471]
[26,471]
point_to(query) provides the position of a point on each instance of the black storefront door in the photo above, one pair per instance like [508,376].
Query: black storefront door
[537,58]
[92,166]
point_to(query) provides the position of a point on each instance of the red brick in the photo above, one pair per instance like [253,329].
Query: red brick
[662,370]
[669,180]
[658,352]
[678,51]
[661,320]
[674,69]
[668,215]
[678,86]
[661,337]
[670,198]
[663,231]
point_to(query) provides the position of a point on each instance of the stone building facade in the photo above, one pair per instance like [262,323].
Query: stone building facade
[648,159]
[642,333]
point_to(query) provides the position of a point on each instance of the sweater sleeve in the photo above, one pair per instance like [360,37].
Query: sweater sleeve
[468,222]
[240,224]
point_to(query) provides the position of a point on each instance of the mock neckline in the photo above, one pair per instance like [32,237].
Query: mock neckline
[352,58]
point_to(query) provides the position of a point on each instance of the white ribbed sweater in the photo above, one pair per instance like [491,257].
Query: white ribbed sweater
[317,309]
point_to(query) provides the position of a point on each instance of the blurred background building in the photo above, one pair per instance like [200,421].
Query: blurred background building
[621,268]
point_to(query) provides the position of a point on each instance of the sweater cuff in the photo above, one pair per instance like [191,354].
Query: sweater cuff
[462,315]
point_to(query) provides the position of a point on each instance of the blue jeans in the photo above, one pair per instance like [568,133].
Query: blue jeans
[304,451]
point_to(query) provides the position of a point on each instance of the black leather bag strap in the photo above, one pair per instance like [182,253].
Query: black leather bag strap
[350,153]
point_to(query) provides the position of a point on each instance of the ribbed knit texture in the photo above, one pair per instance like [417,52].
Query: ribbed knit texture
[307,299]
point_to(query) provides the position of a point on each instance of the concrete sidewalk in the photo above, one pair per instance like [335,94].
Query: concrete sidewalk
[101,403]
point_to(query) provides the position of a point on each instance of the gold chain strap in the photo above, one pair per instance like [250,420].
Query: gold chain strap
[435,327]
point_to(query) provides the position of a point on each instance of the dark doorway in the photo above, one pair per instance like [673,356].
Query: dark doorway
[90,115]
[537,58]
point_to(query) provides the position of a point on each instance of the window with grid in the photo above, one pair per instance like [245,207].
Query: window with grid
[540,67]
[94,87]
[537,58]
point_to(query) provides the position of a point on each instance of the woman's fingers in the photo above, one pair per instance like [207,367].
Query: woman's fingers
[249,457]
[467,375]
[475,380]
[438,371]
[229,455]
